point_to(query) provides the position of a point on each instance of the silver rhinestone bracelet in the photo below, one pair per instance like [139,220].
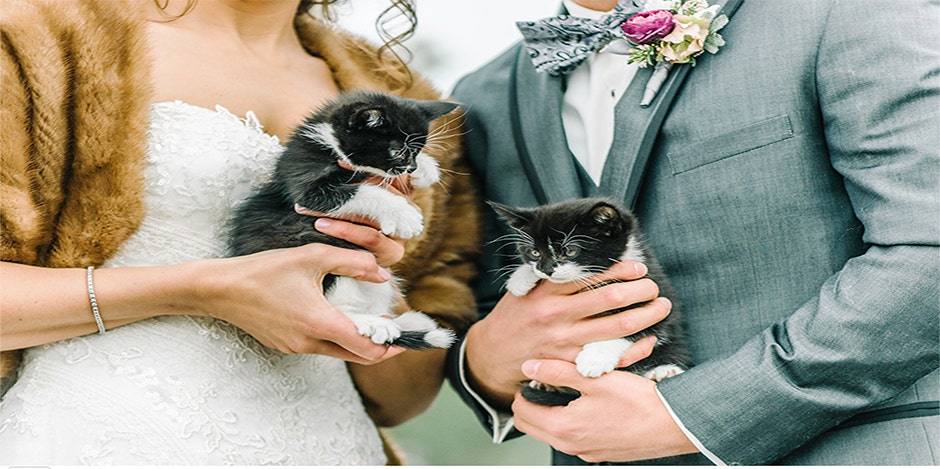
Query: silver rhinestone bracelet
[93,300]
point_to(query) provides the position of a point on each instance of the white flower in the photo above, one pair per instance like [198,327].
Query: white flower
[709,13]
[660,5]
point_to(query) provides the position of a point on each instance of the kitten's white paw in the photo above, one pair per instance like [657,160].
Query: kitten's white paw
[427,173]
[406,222]
[598,358]
[522,280]
[395,216]
[662,372]
[381,330]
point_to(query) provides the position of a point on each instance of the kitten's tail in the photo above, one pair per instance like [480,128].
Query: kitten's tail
[420,340]
[419,332]
[547,395]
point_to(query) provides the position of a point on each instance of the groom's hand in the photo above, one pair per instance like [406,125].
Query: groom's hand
[554,321]
[618,417]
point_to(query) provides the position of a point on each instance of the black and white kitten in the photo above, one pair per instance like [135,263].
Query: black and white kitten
[358,136]
[571,241]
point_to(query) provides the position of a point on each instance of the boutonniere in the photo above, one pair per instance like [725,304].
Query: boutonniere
[671,32]
[660,33]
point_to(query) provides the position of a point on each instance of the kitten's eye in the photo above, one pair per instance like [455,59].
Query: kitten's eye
[394,152]
[534,253]
[572,251]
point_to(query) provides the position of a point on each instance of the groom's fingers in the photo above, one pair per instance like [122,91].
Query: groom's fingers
[638,351]
[554,372]
[622,271]
[563,373]
[546,423]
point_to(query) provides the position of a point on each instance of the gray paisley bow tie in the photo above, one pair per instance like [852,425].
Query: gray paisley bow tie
[560,44]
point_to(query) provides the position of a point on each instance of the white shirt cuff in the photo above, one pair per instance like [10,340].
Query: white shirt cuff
[698,444]
[502,421]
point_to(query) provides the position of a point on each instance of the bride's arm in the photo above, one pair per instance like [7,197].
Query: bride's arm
[275,296]
[42,305]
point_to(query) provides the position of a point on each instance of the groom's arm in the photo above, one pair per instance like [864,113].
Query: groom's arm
[872,331]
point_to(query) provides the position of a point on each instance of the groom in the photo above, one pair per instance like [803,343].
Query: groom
[789,185]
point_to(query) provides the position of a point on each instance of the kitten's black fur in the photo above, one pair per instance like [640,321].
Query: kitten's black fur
[323,166]
[572,240]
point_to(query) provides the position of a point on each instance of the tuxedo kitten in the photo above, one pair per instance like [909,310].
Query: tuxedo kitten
[323,168]
[571,241]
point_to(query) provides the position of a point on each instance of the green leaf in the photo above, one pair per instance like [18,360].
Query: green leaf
[713,42]
[718,23]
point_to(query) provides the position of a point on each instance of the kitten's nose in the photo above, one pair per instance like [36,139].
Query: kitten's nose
[546,269]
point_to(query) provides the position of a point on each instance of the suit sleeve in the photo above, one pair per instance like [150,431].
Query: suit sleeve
[872,331]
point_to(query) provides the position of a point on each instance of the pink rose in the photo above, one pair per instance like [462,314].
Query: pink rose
[648,27]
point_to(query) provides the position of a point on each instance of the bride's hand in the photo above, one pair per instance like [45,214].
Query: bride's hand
[363,231]
[277,297]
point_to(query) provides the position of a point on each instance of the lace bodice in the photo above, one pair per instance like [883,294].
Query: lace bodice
[186,390]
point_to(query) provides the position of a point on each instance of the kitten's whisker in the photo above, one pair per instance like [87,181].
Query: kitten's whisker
[442,133]
[504,271]
[581,237]
[446,125]
[507,244]
[568,239]
[355,171]
[516,236]
[451,171]
[577,244]
[441,140]
[386,181]
[584,284]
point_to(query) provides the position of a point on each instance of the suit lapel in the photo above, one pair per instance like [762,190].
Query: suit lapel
[638,127]
[539,133]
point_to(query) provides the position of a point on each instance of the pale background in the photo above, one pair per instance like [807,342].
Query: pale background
[453,38]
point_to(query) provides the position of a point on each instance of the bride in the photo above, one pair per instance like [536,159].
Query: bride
[131,129]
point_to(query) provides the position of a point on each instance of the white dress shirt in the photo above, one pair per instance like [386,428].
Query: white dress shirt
[592,93]
[593,90]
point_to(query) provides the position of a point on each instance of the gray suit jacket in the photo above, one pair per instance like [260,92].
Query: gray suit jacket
[789,187]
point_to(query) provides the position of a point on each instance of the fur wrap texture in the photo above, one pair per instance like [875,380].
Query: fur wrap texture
[74,115]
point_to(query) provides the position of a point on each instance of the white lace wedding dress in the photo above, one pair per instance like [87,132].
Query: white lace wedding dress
[186,390]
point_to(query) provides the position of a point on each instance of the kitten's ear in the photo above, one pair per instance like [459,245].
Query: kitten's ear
[514,216]
[368,118]
[608,219]
[435,109]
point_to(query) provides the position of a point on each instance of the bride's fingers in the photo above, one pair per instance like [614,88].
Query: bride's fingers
[352,218]
[336,351]
[344,262]
[341,339]
[387,250]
